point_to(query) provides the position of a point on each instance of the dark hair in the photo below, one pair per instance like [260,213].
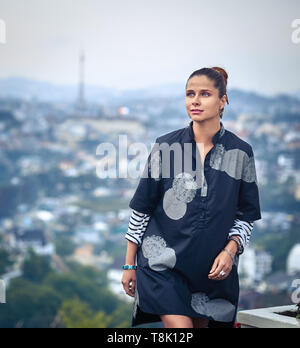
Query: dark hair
[216,74]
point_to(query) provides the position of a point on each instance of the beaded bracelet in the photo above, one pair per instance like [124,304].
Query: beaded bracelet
[239,244]
[129,267]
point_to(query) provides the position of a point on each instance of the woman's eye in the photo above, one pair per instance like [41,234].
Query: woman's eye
[188,94]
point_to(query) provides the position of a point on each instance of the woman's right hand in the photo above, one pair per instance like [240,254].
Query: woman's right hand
[129,281]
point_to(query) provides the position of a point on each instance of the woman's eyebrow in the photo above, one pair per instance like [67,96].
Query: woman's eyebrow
[191,90]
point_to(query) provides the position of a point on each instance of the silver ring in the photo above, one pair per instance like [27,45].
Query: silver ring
[222,273]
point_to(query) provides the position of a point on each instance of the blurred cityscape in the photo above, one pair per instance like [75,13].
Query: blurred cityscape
[62,228]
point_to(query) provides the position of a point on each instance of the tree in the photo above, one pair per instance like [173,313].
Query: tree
[36,267]
[5,260]
[71,285]
[75,314]
[64,246]
[121,316]
[29,305]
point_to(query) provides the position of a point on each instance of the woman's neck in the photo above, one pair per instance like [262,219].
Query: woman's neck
[205,130]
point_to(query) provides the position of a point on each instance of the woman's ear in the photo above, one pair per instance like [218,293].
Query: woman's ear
[223,101]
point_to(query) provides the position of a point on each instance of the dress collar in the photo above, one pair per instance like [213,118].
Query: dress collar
[216,137]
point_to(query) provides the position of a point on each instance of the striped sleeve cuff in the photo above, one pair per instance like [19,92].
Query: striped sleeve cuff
[138,223]
[243,230]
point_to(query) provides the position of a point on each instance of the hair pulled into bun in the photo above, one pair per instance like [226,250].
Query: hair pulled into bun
[222,72]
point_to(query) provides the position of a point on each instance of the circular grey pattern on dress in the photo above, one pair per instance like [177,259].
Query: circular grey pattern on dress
[249,174]
[160,256]
[183,191]
[166,260]
[153,246]
[173,208]
[200,178]
[233,162]
[216,156]
[219,309]
[184,187]
[199,299]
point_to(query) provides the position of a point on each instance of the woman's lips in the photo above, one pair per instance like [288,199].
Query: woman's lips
[196,111]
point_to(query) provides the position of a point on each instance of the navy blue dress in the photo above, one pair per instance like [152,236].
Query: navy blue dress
[192,207]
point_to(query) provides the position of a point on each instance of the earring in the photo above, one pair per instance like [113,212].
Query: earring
[221,112]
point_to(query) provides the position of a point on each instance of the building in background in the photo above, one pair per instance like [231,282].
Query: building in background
[253,266]
[293,260]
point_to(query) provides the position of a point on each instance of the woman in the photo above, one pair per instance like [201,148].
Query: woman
[186,234]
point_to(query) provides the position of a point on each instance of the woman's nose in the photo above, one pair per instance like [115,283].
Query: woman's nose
[195,103]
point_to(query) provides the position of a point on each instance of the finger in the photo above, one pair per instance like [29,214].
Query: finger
[129,293]
[216,273]
[132,287]
[222,266]
[214,266]
[223,276]
[127,290]
[218,269]
[227,270]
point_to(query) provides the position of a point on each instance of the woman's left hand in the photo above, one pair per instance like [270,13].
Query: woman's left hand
[223,262]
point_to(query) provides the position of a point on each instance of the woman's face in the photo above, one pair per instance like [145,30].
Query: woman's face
[201,94]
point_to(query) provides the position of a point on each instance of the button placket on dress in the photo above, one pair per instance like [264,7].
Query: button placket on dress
[202,197]
[203,216]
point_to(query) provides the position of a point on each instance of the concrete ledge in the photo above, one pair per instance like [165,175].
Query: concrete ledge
[268,318]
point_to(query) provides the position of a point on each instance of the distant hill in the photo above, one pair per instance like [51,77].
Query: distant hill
[239,100]
[29,89]
[297,94]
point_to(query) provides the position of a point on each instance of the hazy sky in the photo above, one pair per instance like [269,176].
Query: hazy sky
[139,43]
